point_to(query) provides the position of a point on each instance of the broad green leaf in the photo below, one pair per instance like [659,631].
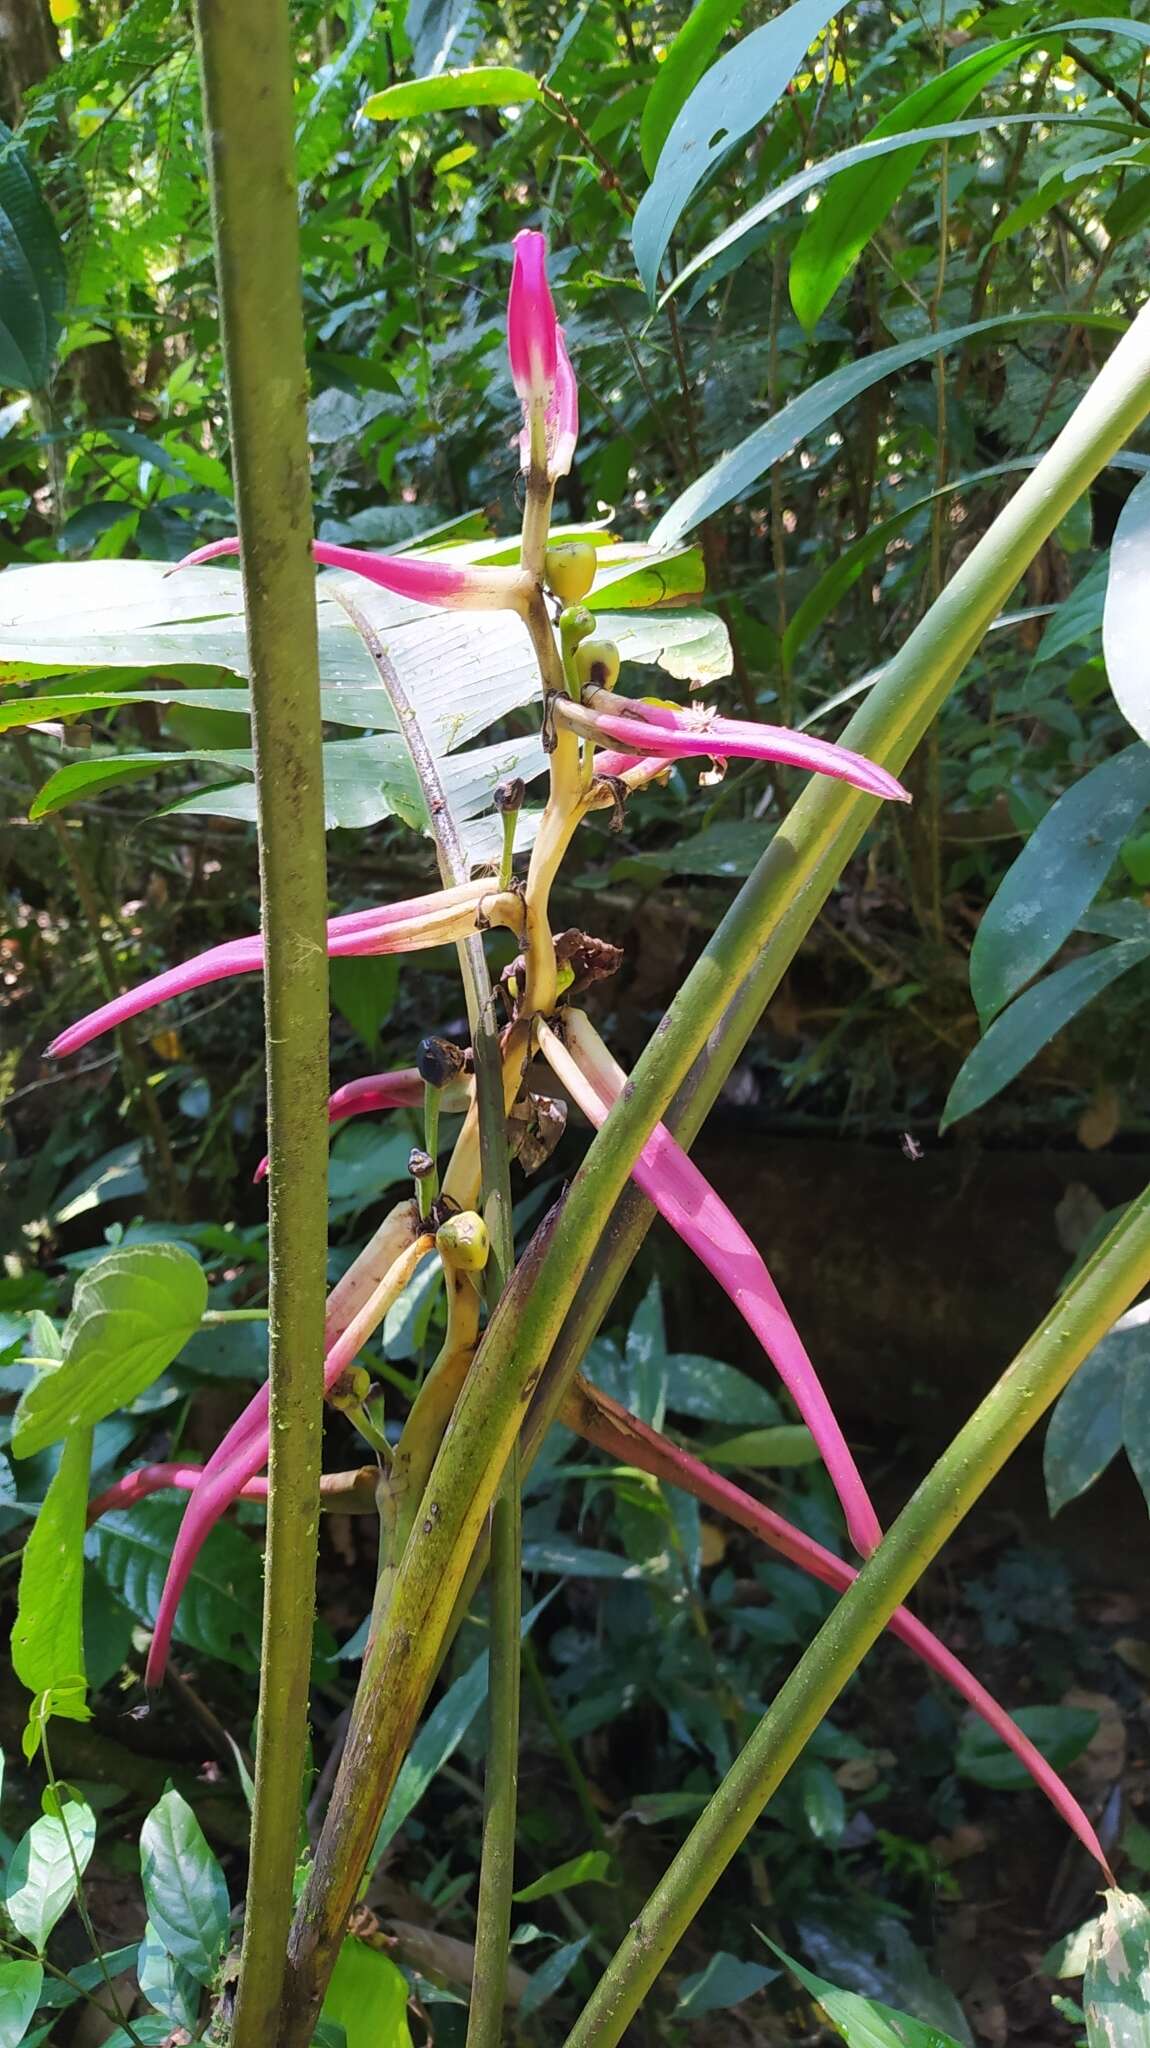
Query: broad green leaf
[441,29]
[683,64]
[132,1314]
[1086,1426]
[864,2022]
[551,1976]
[726,1981]
[33,276]
[1077,620]
[482,85]
[48,1636]
[578,1561]
[1126,609]
[20,1988]
[691,646]
[722,852]
[709,1391]
[733,97]
[742,466]
[184,1888]
[1031,1021]
[787,1444]
[438,1739]
[166,1984]
[1132,1329]
[862,198]
[821,1802]
[593,1867]
[363,991]
[1061,1733]
[869,156]
[1116,1987]
[367,1997]
[42,1876]
[220,1609]
[1056,877]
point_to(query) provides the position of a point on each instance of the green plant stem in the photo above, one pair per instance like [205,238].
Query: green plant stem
[234,1315]
[246,61]
[501,1772]
[749,954]
[564,1749]
[1118,1272]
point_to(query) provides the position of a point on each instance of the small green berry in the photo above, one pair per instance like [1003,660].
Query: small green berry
[597,663]
[569,569]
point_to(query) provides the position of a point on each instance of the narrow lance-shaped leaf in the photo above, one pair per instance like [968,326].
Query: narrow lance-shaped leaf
[48,1637]
[481,85]
[742,466]
[1056,877]
[682,66]
[1031,1021]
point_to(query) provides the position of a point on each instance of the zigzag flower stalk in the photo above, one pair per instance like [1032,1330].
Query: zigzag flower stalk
[407,927]
[690,1205]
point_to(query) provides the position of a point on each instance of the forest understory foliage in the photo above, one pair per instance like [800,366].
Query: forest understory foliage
[574,581]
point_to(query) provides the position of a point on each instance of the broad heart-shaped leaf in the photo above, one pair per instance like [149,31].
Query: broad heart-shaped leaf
[220,1610]
[20,1988]
[742,466]
[41,1882]
[1057,876]
[1124,639]
[367,1997]
[863,2022]
[683,65]
[184,1888]
[1086,1427]
[1061,1733]
[1031,1021]
[482,85]
[729,100]
[861,199]
[1116,1987]
[132,1314]
[48,1637]
[33,277]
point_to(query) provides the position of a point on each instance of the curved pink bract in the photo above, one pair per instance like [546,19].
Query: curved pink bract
[690,1205]
[531,325]
[426,579]
[402,1089]
[673,735]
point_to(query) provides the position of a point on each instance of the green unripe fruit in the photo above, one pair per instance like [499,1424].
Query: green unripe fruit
[597,663]
[575,624]
[463,1242]
[569,569]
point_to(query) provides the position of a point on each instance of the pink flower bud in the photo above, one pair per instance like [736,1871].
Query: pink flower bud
[532,330]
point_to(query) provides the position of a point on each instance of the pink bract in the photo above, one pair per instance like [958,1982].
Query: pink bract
[532,328]
[427,579]
[671,735]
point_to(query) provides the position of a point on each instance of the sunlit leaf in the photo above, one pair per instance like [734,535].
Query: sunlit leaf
[48,1635]
[482,85]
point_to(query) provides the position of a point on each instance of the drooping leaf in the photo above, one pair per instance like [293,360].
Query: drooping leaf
[20,1987]
[864,2022]
[1116,1987]
[184,1888]
[726,1981]
[132,1314]
[482,85]
[33,276]
[41,1881]
[593,1867]
[1056,877]
[551,1976]
[48,1636]
[862,198]
[1085,1430]
[1031,1021]
[1124,616]
[367,1997]
[220,1610]
[733,97]
[742,466]
[1061,1733]
[683,64]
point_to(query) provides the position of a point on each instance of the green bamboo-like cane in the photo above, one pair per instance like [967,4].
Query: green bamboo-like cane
[750,950]
[247,68]
[1118,1272]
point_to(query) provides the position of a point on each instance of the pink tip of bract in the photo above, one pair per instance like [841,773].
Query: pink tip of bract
[424,579]
[402,1089]
[532,346]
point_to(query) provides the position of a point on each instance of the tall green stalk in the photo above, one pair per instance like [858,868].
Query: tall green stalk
[1118,1272]
[739,969]
[247,67]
